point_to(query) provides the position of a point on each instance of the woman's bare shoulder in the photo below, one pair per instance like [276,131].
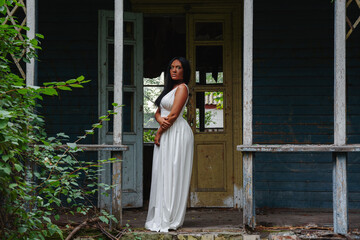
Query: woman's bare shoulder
[182,88]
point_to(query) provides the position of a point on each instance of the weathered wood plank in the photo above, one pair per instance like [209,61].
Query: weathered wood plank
[294,176]
[31,23]
[117,190]
[98,147]
[340,74]
[299,148]
[249,216]
[340,194]
[248,177]
[118,97]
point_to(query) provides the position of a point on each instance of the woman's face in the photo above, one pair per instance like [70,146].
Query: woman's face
[176,71]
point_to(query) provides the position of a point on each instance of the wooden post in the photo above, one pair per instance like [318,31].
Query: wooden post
[340,195]
[30,68]
[118,95]
[31,23]
[248,164]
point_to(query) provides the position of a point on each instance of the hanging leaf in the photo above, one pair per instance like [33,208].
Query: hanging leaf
[71,81]
[23,91]
[49,91]
[65,88]
[104,219]
[18,167]
[39,35]
[3,123]
[76,86]
[80,78]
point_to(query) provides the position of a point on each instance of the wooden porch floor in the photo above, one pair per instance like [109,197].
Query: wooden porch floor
[306,223]
[219,218]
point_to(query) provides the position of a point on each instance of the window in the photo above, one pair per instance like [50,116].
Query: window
[152,89]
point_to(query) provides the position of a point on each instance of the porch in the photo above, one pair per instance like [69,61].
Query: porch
[224,223]
[289,116]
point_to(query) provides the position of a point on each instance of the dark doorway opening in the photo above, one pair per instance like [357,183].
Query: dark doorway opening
[164,38]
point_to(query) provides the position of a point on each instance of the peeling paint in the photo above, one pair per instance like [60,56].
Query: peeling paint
[238,196]
[194,199]
[229,202]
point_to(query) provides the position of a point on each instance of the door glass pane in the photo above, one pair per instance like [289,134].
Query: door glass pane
[128,70]
[208,31]
[128,112]
[110,62]
[128,29]
[209,112]
[110,124]
[110,29]
[150,95]
[209,65]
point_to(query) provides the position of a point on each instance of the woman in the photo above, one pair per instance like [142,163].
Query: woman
[173,152]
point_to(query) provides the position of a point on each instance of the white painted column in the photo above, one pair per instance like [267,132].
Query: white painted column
[248,164]
[340,194]
[118,98]
[31,23]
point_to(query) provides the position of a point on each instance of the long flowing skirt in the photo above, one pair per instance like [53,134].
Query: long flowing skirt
[171,174]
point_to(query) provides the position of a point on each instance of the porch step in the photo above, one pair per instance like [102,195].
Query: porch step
[189,236]
[182,236]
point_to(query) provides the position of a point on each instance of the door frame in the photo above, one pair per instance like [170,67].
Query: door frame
[235,9]
[132,170]
[209,187]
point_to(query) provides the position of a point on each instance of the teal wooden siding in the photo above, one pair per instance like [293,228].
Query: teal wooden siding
[293,103]
[70,50]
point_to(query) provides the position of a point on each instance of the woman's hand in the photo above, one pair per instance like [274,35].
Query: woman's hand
[165,124]
[157,138]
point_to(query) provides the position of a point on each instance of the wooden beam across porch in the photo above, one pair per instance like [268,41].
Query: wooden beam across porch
[102,147]
[299,148]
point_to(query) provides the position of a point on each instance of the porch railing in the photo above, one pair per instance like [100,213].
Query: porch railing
[339,148]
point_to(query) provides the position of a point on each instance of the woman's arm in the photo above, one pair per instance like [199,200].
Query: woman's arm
[181,95]
[163,121]
[179,102]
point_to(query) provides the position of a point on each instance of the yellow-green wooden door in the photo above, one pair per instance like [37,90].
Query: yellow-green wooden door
[210,109]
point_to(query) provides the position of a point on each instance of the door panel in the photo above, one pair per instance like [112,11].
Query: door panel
[132,100]
[210,110]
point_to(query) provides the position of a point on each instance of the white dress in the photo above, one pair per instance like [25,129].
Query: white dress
[171,172]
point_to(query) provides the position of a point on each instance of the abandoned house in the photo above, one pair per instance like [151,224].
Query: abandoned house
[274,94]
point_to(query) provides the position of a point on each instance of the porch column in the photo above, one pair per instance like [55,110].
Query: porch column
[31,23]
[118,98]
[340,194]
[248,164]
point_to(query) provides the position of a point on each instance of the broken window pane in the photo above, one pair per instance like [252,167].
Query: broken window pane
[209,112]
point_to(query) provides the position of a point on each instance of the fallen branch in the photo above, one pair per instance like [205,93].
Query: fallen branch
[109,235]
[89,221]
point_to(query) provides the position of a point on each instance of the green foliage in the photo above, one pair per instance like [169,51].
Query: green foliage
[149,135]
[36,171]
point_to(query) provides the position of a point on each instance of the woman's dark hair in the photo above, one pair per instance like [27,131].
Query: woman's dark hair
[169,83]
